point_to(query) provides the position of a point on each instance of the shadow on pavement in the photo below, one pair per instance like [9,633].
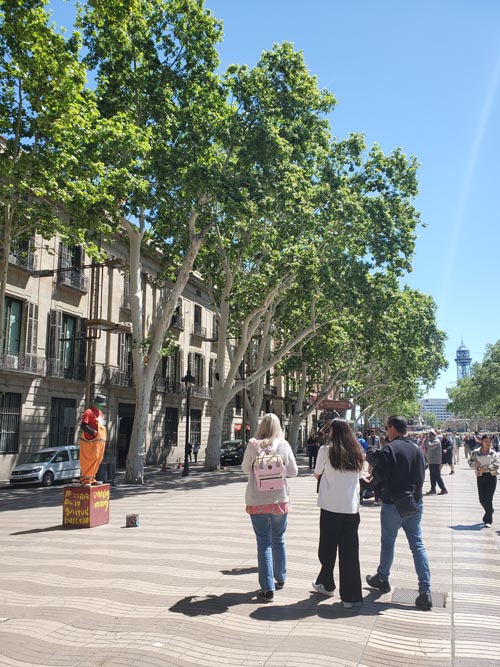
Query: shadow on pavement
[241,570]
[473,526]
[310,607]
[155,481]
[209,604]
[40,530]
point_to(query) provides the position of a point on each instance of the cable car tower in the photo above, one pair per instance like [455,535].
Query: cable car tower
[463,361]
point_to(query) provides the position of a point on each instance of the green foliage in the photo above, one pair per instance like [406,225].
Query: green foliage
[430,419]
[479,393]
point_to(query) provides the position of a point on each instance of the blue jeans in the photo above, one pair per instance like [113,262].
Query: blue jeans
[271,552]
[390,523]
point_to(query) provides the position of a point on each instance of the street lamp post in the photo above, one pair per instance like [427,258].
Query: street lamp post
[188,380]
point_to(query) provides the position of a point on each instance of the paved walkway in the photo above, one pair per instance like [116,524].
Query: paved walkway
[178,590]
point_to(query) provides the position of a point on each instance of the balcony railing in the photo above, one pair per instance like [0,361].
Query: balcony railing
[73,278]
[24,363]
[177,321]
[57,368]
[117,377]
[167,386]
[269,390]
[23,258]
[201,392]
[198,330]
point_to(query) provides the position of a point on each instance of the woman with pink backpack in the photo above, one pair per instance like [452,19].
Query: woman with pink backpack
[268,461]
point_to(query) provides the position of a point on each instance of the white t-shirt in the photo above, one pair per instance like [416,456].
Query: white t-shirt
[338,491]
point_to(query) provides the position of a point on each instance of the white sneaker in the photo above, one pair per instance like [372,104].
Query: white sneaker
[352,605]
[319,588]
[487,525]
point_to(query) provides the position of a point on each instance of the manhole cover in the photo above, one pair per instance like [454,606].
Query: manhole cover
[407,596]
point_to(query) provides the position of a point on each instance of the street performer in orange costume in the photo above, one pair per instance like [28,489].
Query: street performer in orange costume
[92,441]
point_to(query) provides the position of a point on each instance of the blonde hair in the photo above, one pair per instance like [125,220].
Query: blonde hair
[269,428]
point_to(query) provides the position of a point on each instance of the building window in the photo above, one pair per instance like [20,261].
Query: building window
[198,329]
[12,322]
[171,426]
[195,427]
[125,353]
[171,370]
[66,346]
[70,265]
[10,418]
[196,364]
[62,422]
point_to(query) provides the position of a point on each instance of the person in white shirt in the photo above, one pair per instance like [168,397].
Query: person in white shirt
[486,462]
[338,468]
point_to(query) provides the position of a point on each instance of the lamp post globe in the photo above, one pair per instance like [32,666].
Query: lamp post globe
[189,381]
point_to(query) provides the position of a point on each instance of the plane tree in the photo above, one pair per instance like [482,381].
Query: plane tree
[45,117]
[163,105]
[479,393]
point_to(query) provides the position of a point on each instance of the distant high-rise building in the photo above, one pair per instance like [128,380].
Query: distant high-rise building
[463,361]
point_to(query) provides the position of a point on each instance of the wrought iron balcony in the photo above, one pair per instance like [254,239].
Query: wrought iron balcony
[23,363]
[270,390]
[117,377]
[57,368]
[23,256]
[73,278]
[198,330]
[167,386]
[177,321]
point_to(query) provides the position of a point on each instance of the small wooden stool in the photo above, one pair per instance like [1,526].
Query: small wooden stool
[86,506]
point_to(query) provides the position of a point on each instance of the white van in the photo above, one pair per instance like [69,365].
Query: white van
[47,466]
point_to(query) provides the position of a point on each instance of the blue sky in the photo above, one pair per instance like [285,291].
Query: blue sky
[423,75]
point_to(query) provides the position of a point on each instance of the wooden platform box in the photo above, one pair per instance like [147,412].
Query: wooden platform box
[86,506]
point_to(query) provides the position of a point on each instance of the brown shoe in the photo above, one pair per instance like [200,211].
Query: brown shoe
[443,492]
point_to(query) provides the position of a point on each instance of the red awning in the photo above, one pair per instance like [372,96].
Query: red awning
[237,427]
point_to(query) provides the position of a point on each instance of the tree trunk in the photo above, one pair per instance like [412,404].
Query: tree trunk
[212,456]
[137,452]
[293,430]
[4,268]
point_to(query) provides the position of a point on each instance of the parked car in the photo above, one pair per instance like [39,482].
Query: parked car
[47,466]
[231,452]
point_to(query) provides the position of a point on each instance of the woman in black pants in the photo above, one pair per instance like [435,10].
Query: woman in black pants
[486,462]
[338,468]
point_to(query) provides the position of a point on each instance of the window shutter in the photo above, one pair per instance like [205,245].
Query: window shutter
[201,381]
[32,329]
[82,343]
[122,363]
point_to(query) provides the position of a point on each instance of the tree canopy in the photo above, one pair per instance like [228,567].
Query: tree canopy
[479,393]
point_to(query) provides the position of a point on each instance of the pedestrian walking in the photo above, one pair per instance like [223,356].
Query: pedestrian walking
[312,450]
[434,456]
[400,472]
[486,462]
[268,510]
[339,465]
[196,449]
[447,453]
[458,444]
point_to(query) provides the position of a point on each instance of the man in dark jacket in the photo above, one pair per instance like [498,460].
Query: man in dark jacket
[399,473]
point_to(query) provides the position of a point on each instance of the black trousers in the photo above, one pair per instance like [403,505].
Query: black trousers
[435,475]
[486,486]
[312,452]
[339,532]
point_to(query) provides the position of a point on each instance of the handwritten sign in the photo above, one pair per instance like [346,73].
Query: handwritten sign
[86,506]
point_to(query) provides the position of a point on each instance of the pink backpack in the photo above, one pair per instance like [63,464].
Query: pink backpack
[268,468]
